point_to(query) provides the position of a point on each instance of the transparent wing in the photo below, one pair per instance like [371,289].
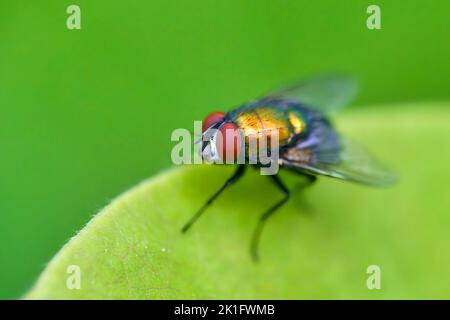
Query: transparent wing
[327,154]
[325,93]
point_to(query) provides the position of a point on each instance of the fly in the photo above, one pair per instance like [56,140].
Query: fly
[309,145]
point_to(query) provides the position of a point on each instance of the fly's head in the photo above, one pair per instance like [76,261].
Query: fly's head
[220,139]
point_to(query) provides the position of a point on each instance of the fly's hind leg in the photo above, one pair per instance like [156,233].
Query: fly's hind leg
[263,218]
[309,180]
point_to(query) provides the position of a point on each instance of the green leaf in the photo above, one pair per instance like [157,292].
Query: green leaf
[318,246]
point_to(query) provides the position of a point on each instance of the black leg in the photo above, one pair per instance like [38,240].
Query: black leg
[266,215]
[309,179]
[236,175]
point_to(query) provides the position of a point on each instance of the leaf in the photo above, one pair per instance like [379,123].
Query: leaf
[318,246]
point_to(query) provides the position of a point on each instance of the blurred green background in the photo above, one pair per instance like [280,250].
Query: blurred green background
[85,114]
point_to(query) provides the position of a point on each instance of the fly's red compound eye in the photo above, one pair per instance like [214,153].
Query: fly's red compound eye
[211,119]
[228,142]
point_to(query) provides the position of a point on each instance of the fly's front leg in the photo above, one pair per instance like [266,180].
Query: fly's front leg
[263,218]
[236,175]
